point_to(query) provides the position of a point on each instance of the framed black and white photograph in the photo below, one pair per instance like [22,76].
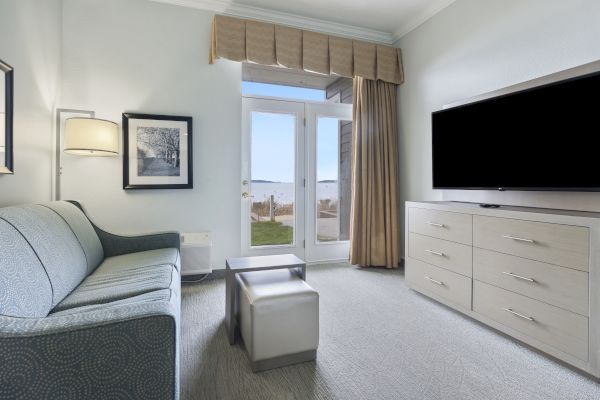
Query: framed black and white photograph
[157,152]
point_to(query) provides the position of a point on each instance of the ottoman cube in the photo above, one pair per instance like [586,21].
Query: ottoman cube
[279,318]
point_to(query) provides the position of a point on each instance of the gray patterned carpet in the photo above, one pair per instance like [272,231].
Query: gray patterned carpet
[378,340]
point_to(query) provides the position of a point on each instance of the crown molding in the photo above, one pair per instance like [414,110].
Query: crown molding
[292,20]
[420,18]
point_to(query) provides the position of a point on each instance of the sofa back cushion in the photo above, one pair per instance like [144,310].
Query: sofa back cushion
[25,289]
[83,230]
[53,242]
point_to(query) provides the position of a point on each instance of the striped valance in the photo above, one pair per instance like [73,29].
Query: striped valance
[269,44]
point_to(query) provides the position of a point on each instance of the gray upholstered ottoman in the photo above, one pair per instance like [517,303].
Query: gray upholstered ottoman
[279,318]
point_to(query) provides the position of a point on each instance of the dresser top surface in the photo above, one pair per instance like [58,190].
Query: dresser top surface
[474,208]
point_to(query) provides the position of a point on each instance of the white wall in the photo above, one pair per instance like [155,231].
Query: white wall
[30,43]
[473,47]
[139,56]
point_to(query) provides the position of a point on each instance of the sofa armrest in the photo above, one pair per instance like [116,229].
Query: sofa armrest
[116,245]
[130,351]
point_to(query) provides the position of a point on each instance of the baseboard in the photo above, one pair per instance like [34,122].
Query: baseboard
[282,361]
[215,274]
[334,261]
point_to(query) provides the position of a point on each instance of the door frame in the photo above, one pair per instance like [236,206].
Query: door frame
[305,245]
[271,105]
[321,251]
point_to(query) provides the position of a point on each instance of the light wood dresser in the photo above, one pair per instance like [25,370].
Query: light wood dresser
[533,274]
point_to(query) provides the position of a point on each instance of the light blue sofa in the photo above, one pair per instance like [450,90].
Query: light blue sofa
[85,314]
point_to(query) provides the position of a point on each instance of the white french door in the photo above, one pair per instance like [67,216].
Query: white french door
[295,178]
[272,177]
[329,130]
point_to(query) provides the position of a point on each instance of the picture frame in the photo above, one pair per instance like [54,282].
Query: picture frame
[157,152]
[7,166]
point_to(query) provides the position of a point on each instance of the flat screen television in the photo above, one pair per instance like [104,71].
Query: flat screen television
[543,138]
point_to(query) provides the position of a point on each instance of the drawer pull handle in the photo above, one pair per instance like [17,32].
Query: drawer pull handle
[518,314]
[518,239]
[437,253]
[434,281]
[519,276]
[436,225]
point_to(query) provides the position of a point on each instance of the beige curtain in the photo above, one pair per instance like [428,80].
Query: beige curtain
[374,226]
[269,44]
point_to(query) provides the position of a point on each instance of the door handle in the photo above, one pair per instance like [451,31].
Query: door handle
[246,195]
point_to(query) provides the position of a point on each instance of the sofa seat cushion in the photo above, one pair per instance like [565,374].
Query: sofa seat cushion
[162,295]
[141,259]
[104,287]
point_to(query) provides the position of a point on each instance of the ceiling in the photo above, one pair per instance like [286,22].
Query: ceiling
[376,20]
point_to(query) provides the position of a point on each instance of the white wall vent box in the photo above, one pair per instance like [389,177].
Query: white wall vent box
[195,253]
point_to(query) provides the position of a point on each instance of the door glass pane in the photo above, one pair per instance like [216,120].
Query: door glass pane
[333,179]
[272,179]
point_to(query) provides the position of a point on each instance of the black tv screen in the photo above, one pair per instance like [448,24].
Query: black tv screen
[544,138]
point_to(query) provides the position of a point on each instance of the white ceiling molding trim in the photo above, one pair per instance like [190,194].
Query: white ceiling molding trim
[292,20]
[421,18]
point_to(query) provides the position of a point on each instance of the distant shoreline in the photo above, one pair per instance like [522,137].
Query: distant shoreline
[284,192]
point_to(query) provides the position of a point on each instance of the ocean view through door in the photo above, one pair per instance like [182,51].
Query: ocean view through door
[295,178]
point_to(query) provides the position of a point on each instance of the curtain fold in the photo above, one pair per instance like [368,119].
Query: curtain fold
[288,47]
[315,52]
[228,39]
[270,44]
[260,43]
[374,225]
[341,56]
[365,62]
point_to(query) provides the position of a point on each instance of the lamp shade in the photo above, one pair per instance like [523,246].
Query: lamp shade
[91,137]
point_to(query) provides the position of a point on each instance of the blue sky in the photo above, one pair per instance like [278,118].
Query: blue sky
[288,92]
[273,147]
[273,137]
[327,148]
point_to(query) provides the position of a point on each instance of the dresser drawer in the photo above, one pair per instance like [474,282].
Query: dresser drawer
[451,226]
[562,287]
[452,287]
[561,329]
[552,243]
[450,255]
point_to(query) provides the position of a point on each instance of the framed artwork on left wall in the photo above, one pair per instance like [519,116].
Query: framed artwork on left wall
[157,152]
[6,119]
